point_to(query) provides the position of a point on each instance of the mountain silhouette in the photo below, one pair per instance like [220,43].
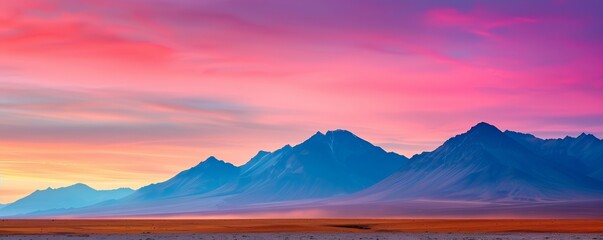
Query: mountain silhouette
[203,178]
[485,164]
[337,168]
[325,165]
[74,196]
[583,154]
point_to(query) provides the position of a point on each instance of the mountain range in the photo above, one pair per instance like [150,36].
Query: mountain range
[339,170]
[325,165]
[582,154]
[486,164]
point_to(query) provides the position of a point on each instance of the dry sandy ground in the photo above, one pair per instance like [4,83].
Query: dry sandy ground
[25,227]
[313,236]
[292,229]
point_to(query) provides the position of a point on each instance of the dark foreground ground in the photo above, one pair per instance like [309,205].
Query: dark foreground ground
[301,229]
[312,236]
[25,227]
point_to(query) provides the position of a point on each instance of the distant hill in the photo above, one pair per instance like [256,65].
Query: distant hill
[75,196]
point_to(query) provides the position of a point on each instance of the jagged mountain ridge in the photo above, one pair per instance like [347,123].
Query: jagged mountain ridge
[325,165]
[485,164]
[334,163]
[203,178]
[482,165]
[582,154]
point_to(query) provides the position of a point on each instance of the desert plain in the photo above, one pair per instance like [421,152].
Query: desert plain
[302,229]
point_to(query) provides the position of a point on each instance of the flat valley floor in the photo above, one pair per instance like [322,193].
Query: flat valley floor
[301,229]
[313,236]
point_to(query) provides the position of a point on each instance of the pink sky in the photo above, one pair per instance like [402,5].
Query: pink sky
[122,93]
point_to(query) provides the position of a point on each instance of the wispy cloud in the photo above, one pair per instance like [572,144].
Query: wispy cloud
[33,114]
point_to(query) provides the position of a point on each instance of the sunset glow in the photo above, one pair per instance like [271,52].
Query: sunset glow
[118,93]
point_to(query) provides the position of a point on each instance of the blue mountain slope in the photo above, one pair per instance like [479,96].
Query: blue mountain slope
[337,162]
[75,196]
[583,154]
[203,178]
[325,165]
[484,164]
